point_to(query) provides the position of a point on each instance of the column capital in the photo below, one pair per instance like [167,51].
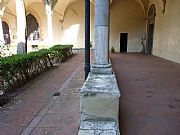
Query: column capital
[50,3]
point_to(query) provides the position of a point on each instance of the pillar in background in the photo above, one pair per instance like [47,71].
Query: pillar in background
[49,24]
[21,26]
[49,6]
[101,38]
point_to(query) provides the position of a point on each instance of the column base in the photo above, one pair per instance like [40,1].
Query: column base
[101,69]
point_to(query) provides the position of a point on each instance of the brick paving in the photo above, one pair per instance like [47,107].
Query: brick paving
[36,111]
[150,100]
[149,105]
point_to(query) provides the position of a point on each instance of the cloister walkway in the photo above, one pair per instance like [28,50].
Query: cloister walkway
[150,88]
[48,105]
[149,105]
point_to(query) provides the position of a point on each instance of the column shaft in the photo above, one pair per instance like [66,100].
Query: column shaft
[21,25]
[49,24]
[101,38]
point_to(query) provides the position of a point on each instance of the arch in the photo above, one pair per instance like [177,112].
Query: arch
[6,32]
[32,27]
[35,13]
[150,29]
[38,11]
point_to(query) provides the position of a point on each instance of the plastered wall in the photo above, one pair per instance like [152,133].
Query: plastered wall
[127,17]
[72,31]
[167,31]
[73,25]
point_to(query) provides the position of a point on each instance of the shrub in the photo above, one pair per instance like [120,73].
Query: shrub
[17,69]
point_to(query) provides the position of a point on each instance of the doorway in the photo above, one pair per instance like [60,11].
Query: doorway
[123,42]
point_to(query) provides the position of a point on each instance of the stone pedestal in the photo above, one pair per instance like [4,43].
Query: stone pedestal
[99,99]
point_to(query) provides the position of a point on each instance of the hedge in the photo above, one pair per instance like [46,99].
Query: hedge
[18,69]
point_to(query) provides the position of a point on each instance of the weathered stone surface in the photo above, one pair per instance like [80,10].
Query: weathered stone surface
[99,128]
[102,12]
[99,69]
[101,31]
[86,132]
[100,97]
[101,41]
[98,125]
[100,84]
[106,132]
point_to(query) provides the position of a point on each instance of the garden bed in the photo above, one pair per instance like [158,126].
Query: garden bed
[17,70]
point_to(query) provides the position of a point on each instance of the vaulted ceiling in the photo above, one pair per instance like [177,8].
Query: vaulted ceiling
[62,5]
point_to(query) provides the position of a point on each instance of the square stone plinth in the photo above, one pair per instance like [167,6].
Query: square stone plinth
[100,97]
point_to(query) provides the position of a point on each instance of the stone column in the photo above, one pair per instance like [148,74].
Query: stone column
[21,25]
[49,24]
[49,6]
[101,38]
[99,96]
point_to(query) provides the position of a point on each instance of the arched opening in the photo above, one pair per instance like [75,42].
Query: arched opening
[150,29]
[6,33]
[33,31]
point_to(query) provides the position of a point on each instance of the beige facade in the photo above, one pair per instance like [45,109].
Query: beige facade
[126,16]
[167,31]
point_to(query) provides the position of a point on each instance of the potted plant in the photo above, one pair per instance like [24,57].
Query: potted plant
[112,49]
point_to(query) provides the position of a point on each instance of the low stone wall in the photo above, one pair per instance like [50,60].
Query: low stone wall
[99,98]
